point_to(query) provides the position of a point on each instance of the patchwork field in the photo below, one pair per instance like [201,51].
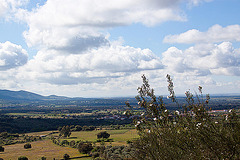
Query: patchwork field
[39,149]
[49,150]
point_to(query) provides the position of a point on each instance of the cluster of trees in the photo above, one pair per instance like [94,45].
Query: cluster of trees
[187,133]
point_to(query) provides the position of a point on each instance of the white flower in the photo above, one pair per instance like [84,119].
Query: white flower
[138,122]
[168,97]
[165,110]
[151,105]
[226,118]
[161,117]
[216,122]
[149,131]
[174,123]
[177,112]
[142,114]
[155,119]
[230,110]
[139,103]
[124,112]
[199,124]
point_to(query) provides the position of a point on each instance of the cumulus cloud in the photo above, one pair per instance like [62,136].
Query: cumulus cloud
[12,56]
[214,34]
[95,66]
[10,7]
[204,59]
[83,22]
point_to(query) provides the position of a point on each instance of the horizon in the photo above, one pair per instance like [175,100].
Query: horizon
[86,48]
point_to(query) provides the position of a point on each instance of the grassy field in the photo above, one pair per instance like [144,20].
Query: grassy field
[119,136]
[39,149]
[49,150]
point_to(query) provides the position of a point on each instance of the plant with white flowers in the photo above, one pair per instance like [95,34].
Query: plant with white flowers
[188,133]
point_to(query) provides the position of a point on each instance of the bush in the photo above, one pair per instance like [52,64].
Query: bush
[22,158]
[1,149]
[85,148]
[103,135]
[43,158]
[27,146]
[66,157]
[188,133]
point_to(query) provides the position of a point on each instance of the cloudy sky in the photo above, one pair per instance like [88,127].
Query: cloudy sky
[100,48]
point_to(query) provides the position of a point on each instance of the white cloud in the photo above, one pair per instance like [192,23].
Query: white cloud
[10,7]
[204,59]
[12,55]
[56,25]
[94,66]
[214,34]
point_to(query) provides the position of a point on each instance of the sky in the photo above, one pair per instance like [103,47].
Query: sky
[101,48]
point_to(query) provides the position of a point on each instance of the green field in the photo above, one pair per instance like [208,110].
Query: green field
[49,150]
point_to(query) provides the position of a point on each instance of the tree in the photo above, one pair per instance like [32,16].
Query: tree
[22,158]
[27,146]
[1,149]
[187,133]
[85,148]
[65,131]
[103,134]
[66,157]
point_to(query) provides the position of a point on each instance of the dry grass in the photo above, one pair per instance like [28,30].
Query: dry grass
[49,150]
[39,149]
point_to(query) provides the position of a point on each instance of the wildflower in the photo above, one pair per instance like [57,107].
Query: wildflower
[149,131]
[216,122]
[155,119]
[124,112]
[151,105]
[139,103]
[165,110]
[174,123]
[230,110]
[199,124]
[161,117]
[177,112]
[142,114]
[226,118]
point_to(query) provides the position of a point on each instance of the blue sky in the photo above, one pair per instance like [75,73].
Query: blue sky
[101,48]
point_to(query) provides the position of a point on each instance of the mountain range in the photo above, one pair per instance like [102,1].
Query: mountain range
[25,95]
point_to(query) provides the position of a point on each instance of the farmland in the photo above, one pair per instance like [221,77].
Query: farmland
[50,150]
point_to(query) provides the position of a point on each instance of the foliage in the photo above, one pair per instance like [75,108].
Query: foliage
[113,152]
[27,146]
[85,148]
[65,131]
[1,149]
[187,133]
[43,158]
[22,158]
[66,157]
[103,134]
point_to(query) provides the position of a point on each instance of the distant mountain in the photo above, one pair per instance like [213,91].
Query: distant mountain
[24,95]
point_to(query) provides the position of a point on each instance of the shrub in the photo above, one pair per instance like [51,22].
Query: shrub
[66,157]
[1,149]
[27,146]
[22,158]
[188,133]
[85,148]
[103,135]
[43,158]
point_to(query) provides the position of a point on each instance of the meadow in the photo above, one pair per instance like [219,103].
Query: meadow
[50,150]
